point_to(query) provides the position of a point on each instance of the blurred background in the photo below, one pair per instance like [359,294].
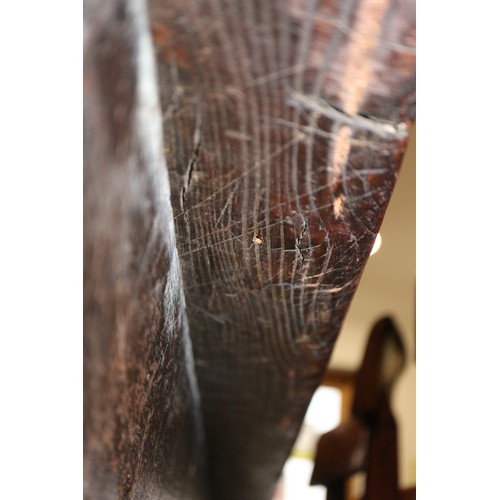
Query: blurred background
[387,288]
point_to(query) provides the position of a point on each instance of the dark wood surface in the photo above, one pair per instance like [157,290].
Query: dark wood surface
[143,435]
[285,123]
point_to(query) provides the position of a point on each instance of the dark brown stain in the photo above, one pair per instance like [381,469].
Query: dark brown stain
[282,155]
[272,238]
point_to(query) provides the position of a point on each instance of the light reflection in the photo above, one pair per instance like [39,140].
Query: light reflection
[377,244]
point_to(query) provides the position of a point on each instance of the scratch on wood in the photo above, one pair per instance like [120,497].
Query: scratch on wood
[239,136]
[228,202]
[299,239]
[194,158]
[383,129]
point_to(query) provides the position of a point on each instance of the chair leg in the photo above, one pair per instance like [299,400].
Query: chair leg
[336,491]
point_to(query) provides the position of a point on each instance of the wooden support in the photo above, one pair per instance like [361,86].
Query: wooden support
[285,123]
[143,434]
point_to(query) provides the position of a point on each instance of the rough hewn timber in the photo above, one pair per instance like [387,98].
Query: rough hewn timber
[142,424]
[285,123]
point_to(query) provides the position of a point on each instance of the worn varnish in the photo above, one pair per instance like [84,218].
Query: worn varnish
[285,123]
[143,435]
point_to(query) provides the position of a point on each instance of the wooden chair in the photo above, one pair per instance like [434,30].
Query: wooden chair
[368,441]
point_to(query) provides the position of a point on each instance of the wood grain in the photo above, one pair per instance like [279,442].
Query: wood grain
[285,124]
[143,434]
